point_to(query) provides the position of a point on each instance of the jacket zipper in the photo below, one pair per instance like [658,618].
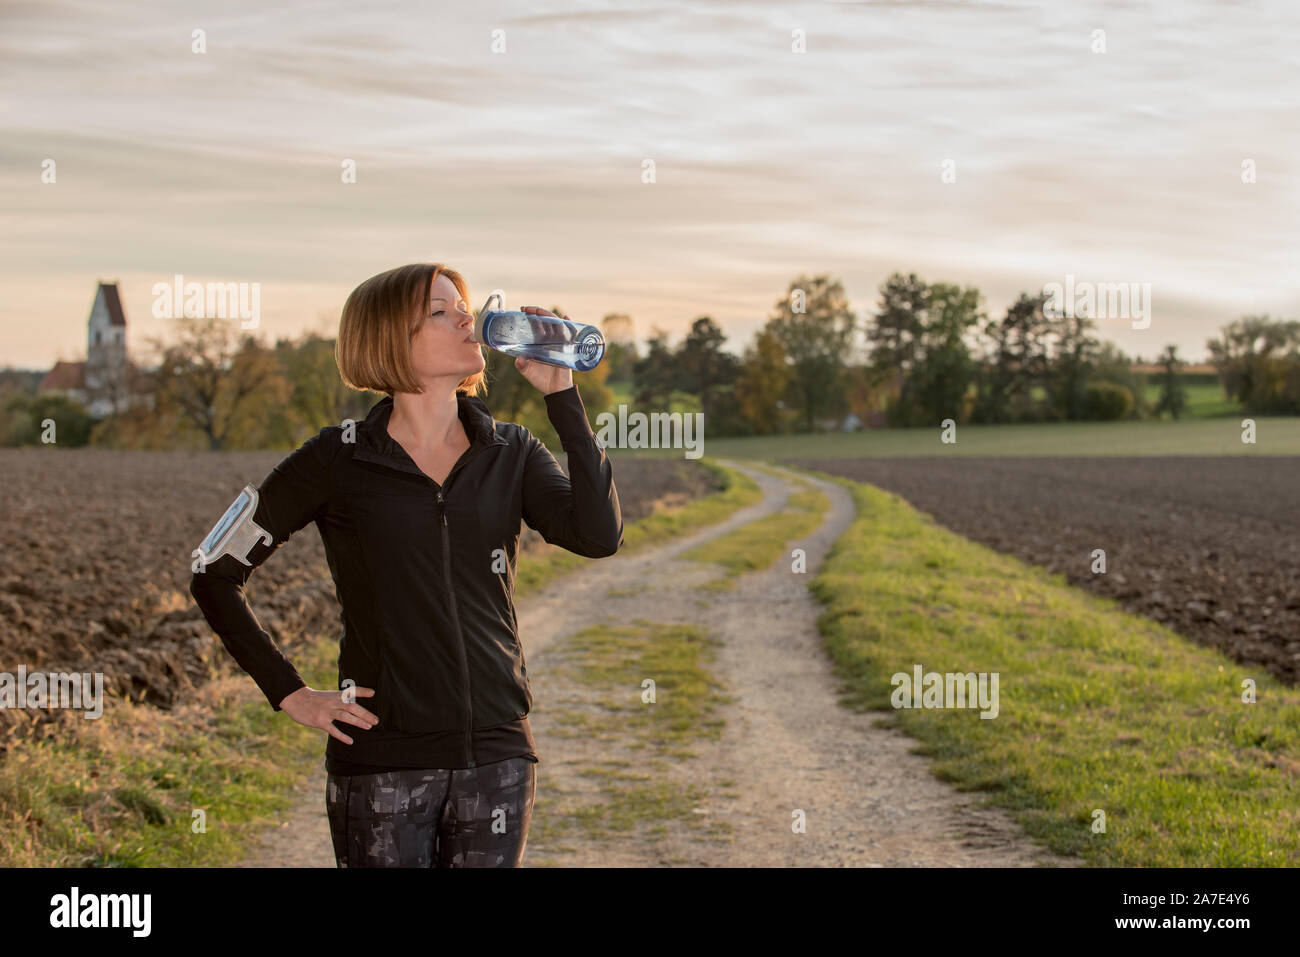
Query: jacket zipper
[451,594]
[455,617]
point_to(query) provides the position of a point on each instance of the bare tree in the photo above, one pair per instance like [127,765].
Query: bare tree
[223,384]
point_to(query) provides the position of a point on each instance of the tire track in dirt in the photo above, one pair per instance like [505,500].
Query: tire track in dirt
[787,743]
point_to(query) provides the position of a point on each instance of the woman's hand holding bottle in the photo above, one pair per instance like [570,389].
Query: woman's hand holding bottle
[547,378]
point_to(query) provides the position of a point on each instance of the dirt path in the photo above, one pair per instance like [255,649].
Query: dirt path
[787,744]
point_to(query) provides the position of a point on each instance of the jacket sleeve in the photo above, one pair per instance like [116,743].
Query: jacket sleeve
[579,512]
[295,493]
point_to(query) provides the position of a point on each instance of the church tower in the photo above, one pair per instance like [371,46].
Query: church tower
[106,365]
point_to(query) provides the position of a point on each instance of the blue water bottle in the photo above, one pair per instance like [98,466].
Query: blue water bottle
[550,339]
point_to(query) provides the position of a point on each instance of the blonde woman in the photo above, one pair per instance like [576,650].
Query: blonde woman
[419,509]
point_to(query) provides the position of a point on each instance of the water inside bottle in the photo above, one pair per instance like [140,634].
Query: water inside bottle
[545,339]
[578,355]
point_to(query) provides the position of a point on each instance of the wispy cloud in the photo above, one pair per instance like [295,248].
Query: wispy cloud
[523,168]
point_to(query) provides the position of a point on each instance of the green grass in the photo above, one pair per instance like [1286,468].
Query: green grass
[1276,435]
[121,791]
[1099,709]
[1205,399]
[758,544]
[611,665]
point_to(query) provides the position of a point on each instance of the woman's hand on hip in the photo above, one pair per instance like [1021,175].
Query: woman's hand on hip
[545,377]
[320,709]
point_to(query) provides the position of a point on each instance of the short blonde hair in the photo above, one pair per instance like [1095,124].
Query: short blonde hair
[379,318]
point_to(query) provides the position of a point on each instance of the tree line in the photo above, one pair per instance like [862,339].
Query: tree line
[928,353]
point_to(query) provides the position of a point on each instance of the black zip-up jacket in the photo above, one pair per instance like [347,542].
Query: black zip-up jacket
[424,574]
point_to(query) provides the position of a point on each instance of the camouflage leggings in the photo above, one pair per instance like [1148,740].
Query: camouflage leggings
[433,817]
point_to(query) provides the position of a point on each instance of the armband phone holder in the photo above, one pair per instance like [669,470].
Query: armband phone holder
[236,533]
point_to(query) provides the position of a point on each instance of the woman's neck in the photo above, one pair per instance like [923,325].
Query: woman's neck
[426,420]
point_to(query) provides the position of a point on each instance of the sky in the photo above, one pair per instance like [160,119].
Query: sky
[509,141]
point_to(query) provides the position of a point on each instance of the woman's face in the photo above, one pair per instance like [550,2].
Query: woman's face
[440,345]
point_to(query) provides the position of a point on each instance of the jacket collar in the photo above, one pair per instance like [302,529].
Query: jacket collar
[374,444]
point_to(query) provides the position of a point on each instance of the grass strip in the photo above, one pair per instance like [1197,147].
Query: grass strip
[757,544]
[609,665]
[736,491]
[1100,710]
[1275,435]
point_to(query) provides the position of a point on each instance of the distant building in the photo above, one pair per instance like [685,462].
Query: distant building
[100,383]
[68,378]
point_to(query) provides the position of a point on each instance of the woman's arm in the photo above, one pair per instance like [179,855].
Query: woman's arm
[295,493]
[580,511]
